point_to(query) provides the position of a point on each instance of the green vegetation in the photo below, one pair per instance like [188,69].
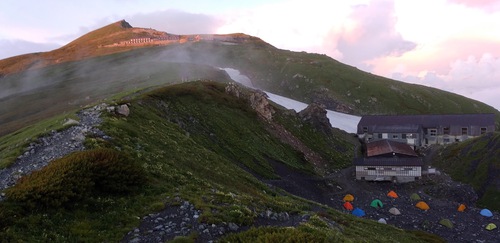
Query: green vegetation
[12,145]
[330,227]
[475,162]
[76,177]
[85,77]
[187,141]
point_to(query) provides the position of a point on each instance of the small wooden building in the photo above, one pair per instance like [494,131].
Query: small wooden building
[388,160]
[421,130]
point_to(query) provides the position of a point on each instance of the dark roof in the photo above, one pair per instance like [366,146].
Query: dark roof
[487,119]
[385,146]
[393,161]
[404,128]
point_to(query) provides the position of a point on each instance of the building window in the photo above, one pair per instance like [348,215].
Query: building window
[464,131]
[365,129]
[370,168]
[394,136]
[446,140]
[432,132]
[380,135]
[446,130]
[403,136]
[483,130]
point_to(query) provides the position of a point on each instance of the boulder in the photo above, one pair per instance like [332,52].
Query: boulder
[71,122]
[315,114]
[123,110]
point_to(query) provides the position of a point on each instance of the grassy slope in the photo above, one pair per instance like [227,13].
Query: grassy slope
[188,139]
[475,162]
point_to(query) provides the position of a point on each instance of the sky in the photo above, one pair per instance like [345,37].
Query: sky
[452,45]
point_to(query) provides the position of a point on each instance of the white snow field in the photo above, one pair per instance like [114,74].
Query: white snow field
[346,122]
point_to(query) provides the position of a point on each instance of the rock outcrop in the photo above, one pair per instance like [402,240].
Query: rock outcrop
[257,98]
[315,114]
[260,103]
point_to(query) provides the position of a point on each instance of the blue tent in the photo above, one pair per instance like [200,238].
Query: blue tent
[358,212]
[487,213]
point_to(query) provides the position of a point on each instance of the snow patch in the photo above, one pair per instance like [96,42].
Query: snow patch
[346,122]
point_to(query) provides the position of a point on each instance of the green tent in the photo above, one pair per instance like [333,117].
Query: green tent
[376,203]
[415,197]
[491,226]
[447,223]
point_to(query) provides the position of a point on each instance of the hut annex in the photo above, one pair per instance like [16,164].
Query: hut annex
[387,160]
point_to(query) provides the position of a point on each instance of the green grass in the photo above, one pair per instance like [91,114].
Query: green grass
[475,162]
[13,144]
[191,141]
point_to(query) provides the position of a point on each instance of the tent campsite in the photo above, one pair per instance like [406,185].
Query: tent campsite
[461,208]
[394,211]
[358,212]
[348,206]
[486,213]
[377,203]
[382,221]
[422,205]
[348,198]
[491,226]
[392,194]
[415,197]
[447,223]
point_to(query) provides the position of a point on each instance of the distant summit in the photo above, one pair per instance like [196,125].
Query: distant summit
[124,24]
[117,37]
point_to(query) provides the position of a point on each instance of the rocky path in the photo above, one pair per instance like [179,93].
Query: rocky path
[53,146]
[175,221]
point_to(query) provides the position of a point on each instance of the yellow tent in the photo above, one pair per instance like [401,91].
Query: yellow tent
[348,198]
[491,226]
[392,194]
[461,208]
[422,205]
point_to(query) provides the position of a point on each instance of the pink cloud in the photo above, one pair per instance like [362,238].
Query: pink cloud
[373,35]
[483,4]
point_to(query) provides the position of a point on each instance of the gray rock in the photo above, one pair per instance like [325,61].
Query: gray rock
[233,227]
[123,110]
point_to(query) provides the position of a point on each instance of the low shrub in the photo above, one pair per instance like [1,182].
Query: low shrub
[77,176]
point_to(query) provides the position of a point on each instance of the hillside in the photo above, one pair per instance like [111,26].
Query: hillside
[181,148]
[96,68]
[475,162]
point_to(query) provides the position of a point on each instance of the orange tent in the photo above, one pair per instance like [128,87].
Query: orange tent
[422,205]
[348,206]
[392,194]
[348,198]
[461,208]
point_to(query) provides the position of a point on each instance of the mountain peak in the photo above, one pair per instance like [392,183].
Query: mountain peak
[124,24]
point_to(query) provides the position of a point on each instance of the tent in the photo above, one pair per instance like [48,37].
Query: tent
[447,223]
[394,211]
[415,197]
[376,203]
[348,206]
[348,198]
[491,226]
[358,212]
[486,213]
[461,208]
[422,205]
[392,194]
[382,221]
